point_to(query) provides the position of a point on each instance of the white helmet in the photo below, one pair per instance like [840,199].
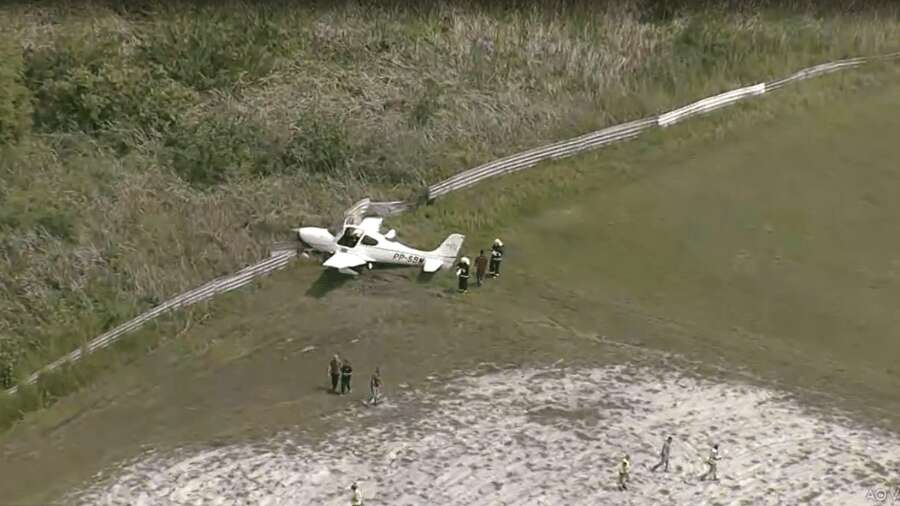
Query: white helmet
[498,242]
[464,260]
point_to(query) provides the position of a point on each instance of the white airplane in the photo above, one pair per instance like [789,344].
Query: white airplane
[363,244]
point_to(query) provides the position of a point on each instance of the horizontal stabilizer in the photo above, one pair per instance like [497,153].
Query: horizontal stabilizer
[432,264]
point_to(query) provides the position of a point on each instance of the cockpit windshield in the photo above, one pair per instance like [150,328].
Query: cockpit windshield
[350,238]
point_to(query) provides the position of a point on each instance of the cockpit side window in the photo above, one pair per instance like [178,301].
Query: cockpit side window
[369,241]
[350,238]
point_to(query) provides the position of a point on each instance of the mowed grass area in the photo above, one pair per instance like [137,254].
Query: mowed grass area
[770,247]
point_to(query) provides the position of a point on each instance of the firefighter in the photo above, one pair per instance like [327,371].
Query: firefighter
[480,266]
[624,471]
[346,373]
[462,272]
[664,455]
[496,258]
[334,370]
[375,386]
[712,461]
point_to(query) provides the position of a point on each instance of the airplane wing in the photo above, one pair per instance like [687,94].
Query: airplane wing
[432,264]
[371,224]
[344,260]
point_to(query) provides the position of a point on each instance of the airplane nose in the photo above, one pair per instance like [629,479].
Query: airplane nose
[307,235]
[315,237]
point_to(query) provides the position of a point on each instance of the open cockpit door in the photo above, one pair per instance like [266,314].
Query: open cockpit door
[350,237]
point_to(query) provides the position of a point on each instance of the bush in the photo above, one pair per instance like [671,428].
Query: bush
[427,105]
[220,148]
[320,147]
[56,222]
[223,147]
[26,210]
[10,355]
[214,48]
[15,98]
[86,84]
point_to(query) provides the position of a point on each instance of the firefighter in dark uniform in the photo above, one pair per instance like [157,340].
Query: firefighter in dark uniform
[496,258]
[346,375]
[462,272]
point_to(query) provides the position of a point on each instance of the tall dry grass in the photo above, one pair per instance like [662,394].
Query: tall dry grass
[171,143]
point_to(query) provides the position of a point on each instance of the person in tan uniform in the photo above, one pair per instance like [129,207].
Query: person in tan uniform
[375,387]
[624,473]
[334,370]
[356,499]
[481,263]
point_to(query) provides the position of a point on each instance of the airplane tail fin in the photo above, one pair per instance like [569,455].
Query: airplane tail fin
[444,255]
[451,246]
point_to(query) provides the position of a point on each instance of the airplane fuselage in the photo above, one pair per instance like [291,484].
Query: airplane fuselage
[360,245]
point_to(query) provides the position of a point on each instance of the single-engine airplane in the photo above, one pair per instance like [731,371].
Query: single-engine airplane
[363,244]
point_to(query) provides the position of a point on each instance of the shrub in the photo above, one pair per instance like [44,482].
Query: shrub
[214,48]
[10,355]
[225,146]
[27,209]
[86,84]
[220,148]
[320,147]
[427,105]
[15,98]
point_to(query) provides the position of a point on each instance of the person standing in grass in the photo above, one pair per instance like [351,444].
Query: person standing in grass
[346,373]
[356,498]
[462,272]
[334,370]
[712,462]
[375,386]
[664,455]
[480,268]
[496,258]
[624,473]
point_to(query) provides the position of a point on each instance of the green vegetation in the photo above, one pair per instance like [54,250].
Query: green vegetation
[145,151]
[15,98]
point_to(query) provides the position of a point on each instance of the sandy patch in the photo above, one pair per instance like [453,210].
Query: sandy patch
[541,437]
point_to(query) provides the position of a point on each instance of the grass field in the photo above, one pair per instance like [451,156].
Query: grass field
[751,247]
[146,148]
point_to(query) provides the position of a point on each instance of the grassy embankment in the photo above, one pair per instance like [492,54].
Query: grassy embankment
[147,151]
